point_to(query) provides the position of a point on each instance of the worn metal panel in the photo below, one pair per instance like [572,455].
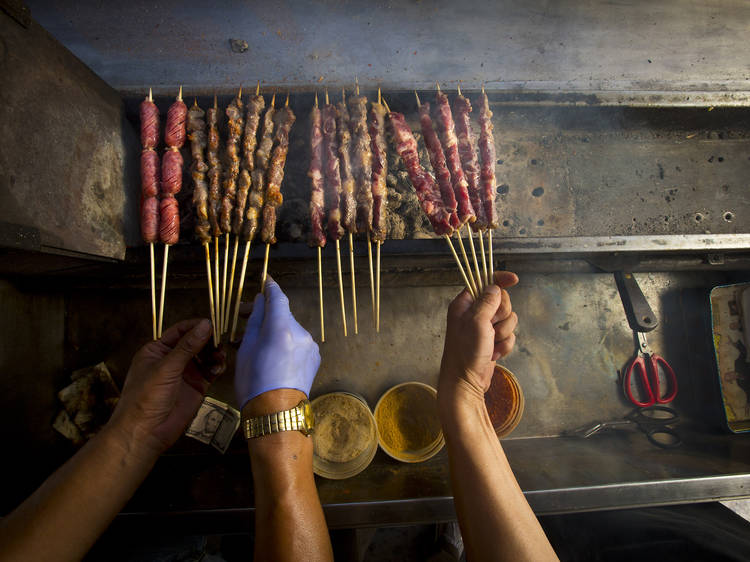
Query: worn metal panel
[538,44]
[68,156]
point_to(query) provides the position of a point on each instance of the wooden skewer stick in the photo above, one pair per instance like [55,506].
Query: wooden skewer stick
[265,270]
[484,259]
[240,287]
[153,292]
[492,266]
[372,278]
[460,267]
[356,85]
[217,284]
[179,94]
[466,262]
[320,294]
[341,287]
[228,303]
[211,295]
[354,287]
[222,319]
[163,288]
[377,304]
[480,282]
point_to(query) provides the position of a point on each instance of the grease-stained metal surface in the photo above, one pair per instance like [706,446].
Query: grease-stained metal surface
[68,159]
[572,46]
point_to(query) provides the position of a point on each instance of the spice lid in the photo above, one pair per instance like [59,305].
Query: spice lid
[408,425]
[504,401]
[345,438]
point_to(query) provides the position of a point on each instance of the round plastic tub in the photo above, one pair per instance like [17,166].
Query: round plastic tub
[504,401]
[345,438]
[408,424]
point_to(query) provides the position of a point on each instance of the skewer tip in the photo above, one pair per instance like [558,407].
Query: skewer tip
[385,103]
[482,89]
[257,88]
[273,99]
[316,99]
[438,85]
[216,105]
[326,96]
[239,94]
[343,95]
[378,94]
[286,102]
[179,94]
[459,88]
[195,102]
[356,85]
[419,103]
[150,96]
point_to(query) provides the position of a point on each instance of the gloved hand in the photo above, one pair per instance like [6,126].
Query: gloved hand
[276,352]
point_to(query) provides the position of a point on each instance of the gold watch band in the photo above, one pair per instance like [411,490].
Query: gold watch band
[287,420]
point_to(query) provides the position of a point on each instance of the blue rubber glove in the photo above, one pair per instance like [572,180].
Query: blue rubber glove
[276,352]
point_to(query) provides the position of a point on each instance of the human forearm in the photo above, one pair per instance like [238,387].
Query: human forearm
[495,518]
[65,516]
[289,518]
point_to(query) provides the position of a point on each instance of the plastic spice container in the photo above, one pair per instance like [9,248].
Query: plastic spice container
[409,428]
[345,438]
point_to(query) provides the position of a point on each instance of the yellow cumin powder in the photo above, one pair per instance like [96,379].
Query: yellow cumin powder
[407,419]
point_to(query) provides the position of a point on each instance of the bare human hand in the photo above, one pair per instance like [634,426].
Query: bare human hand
[164,388]
[478,334]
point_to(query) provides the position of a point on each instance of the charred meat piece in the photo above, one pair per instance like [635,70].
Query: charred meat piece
[196,126]
[428,194]
[376,126]
[348,203]
[437,159]
[174,130]
[273,198]
[361,162]
[469,160]
[332,173]
[235,124]
[450,147]
[315,173]
[487,150]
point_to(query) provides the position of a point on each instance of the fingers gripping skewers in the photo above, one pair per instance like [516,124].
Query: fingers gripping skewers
[196,126]
[317,203]
[348,203]
[487,175]
[150,189]
[235,124]
[249,194]
[171,183]
[470,165]
[273,198]
[379,190]
[333,190]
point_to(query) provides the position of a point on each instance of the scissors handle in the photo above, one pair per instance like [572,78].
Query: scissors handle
[657,360]
[664,437]
[638,366]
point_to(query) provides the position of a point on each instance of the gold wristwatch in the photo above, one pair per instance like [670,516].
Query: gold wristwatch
[300,418]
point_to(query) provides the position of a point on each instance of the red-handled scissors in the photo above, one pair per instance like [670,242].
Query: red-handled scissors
[647,365]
